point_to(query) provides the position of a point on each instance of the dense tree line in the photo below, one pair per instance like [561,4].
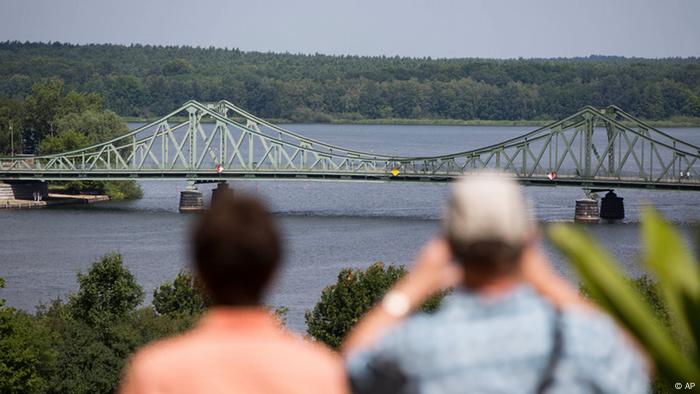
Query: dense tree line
[140,80]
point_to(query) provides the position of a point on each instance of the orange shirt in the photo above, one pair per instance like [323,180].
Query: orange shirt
[235,350]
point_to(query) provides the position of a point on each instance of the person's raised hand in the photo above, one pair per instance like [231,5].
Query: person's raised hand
[432,272]
[539,273]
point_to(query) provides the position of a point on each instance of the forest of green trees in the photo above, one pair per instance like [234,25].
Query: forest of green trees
[145,81]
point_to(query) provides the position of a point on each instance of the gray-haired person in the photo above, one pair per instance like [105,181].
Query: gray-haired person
[512,325]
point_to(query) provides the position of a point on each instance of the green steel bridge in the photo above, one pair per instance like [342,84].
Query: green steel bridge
[593,148]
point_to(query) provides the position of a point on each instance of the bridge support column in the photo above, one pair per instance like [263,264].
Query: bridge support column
[612,207]
[586,211]
[221,190]
[191,199]
[587,208]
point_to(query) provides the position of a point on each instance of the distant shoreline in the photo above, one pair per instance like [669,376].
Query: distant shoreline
[668,123]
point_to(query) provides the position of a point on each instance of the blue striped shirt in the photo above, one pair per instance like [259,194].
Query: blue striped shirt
[479,345]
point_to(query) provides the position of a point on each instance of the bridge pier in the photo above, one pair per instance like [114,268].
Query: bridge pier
[191,199]
[612,207]
[586,211]
[221,189]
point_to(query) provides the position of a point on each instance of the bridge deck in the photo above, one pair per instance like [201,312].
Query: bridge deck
[210,176]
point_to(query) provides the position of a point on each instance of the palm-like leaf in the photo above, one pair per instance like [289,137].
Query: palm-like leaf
[671,260]
[606,282]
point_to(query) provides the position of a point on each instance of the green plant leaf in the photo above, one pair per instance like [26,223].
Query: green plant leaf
[606,282]
[671,260]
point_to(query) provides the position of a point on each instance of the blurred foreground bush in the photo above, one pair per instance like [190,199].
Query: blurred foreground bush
[664,318]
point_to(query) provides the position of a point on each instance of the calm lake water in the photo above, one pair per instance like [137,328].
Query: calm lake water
[327,225]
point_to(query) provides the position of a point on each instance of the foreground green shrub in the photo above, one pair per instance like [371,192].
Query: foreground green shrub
[343,304]
[184,296]
[81,346]
[25,352]
[107,292]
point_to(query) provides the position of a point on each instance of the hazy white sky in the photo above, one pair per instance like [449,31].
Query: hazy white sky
[437,28]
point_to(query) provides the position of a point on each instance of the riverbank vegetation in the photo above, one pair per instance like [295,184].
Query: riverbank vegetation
[54,119]
[145,81]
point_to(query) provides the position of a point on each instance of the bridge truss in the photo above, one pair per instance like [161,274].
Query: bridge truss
[591,148]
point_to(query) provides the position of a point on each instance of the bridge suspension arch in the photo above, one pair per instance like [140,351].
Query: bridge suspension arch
[593,147]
